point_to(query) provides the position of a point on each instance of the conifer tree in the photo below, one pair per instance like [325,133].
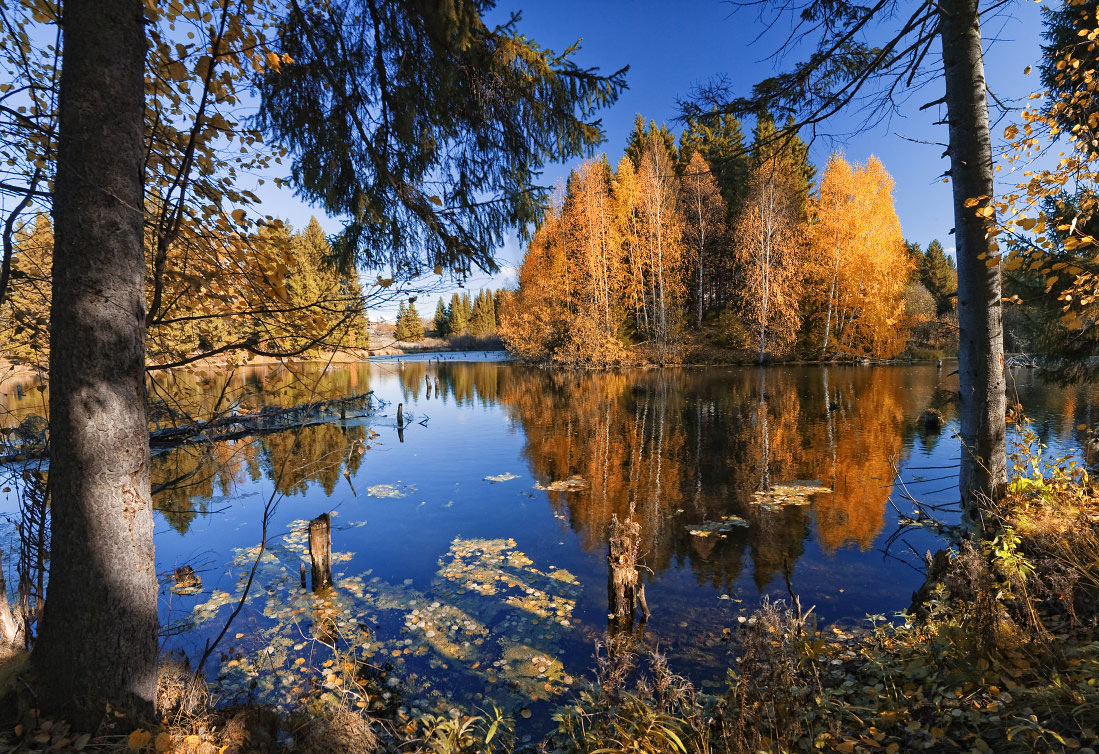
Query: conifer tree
[409,325]
[483,321]
[419,91]
[915,256]
[642,135]
[792,156]
[467,308]
[441,329]
[720,141]
[939,276]
[457,320]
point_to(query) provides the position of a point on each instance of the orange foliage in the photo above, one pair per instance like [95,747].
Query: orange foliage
[859,261]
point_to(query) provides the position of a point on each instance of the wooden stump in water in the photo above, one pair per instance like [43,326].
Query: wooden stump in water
[623,588]
[320,551]
[400,415]
[303,583]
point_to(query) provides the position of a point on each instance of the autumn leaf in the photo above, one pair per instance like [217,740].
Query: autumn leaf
[139,739]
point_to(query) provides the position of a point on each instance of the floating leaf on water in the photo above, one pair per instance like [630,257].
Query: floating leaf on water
[783,495]
[505,477]
[723,526]
[386,490]
[572,484]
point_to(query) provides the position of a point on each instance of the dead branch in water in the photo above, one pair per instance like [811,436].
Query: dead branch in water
[267,420]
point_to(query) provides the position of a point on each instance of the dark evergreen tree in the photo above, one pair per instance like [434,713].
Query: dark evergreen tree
[938,275]
[457,319]
[409,325]
[767,142]
[642,135]
[421,90]
[915,256]
[720,141]
[483,320]
[441,324]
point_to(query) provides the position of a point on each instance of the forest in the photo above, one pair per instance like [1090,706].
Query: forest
[731,242]
[140,268]
[224,296]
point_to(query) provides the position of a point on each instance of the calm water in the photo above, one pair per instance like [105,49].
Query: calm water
[473,590]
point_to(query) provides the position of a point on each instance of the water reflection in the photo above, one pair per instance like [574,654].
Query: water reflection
[683,447]
[493,504]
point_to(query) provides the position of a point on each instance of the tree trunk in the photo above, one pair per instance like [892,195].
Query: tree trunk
[98,638]
[983,474]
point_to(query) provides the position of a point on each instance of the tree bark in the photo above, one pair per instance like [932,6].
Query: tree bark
[983,474]
[98,638]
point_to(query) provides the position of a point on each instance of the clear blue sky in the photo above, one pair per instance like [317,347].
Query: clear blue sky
[673,47]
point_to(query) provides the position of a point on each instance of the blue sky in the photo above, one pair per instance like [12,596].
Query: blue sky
[673,47]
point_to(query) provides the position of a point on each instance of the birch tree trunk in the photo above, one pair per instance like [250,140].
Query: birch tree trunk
[983,474]
[98,637]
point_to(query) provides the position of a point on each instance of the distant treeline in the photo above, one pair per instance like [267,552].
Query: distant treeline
[277,291]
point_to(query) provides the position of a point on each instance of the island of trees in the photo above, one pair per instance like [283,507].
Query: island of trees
[681,252]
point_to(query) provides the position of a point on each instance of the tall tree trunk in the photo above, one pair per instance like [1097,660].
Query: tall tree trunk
[828,322]
[98,639]
[983,474]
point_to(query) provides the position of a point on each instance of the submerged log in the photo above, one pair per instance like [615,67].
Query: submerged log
[268,419]
[320,551]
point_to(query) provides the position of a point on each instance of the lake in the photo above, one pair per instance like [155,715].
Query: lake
[470,545]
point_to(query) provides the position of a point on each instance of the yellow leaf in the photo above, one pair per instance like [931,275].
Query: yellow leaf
[139,739]
[238,215]
[163,742]
[1026,71]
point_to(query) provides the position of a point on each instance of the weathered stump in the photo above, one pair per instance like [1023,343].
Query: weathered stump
[932,420]
[304,585]
[400,415]
[187,581]
[320,551]
[624,590]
